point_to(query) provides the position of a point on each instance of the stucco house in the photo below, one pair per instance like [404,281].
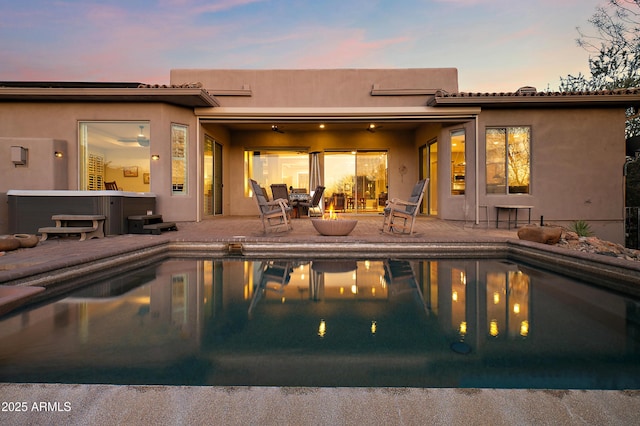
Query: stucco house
[366,134]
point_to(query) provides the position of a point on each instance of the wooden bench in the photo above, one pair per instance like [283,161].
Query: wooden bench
[75,224]
[149,224]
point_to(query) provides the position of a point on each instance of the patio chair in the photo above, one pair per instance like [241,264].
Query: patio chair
[274,276]
[314,204]
[274,214]
[400,215]
[279,190]
[265,193]
[401,279]
[111,186]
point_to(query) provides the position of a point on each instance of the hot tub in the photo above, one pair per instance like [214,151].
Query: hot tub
[32,209]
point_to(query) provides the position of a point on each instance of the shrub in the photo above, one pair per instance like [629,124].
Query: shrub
[582,228]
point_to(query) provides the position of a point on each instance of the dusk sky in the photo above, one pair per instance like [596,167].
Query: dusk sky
[496,45]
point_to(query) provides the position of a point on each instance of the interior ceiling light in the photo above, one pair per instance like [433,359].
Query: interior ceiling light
[322,126]
[275,128]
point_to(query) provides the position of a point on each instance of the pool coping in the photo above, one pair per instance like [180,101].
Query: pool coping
[112,404]
[617,274]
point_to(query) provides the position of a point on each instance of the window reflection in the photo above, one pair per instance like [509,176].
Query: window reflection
[508,304]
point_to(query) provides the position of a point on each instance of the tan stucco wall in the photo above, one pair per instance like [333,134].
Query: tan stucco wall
[41,171]
[577,157]
[319,88]
[42,123]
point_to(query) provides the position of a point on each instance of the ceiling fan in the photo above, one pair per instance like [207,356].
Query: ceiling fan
[373,127]
[140,139]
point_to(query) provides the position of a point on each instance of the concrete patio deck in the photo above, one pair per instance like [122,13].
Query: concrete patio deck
[106,404]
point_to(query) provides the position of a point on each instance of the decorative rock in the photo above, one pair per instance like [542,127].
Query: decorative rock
[570,236]
[27,240]
[540,234]
[9,243]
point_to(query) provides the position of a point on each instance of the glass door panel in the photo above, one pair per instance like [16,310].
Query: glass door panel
[208,176]
[339,176]
[371,181]
[423,173]
[355,181]
[217,178]
[432,189]
[212,179]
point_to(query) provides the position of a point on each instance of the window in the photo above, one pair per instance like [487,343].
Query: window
[508,160]
[458,162]
[114,151]
[276,166]
[178,159]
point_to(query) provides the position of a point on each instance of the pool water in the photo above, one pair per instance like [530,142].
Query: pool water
[352,322]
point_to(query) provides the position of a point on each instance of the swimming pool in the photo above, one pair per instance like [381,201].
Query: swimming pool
[487,323]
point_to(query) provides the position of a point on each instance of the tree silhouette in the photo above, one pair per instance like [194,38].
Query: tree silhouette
[614,54]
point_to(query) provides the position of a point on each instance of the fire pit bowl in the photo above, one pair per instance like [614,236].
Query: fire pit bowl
[334,227]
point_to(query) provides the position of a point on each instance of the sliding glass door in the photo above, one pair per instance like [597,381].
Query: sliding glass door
[355,181]
[212,177]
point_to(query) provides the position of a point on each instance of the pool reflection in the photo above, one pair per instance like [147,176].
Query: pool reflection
[391,322]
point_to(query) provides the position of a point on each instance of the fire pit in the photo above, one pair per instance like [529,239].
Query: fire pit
[332,226]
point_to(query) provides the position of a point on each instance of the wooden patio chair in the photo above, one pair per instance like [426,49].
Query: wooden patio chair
[314,204]
[274,214]
[400,215]
[280,190]
[401,279]
[274,276]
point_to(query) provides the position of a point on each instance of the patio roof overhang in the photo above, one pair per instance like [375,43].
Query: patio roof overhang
[189,97]
[353,115]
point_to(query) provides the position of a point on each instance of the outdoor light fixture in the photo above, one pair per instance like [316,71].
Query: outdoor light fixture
[155,157]
[58,154]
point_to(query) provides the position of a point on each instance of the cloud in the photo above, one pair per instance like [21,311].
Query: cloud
[142,41]
[219,6]
[347,49]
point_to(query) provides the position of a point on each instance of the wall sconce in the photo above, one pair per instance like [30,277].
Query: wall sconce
[155,157]
[19,155]
[58,154]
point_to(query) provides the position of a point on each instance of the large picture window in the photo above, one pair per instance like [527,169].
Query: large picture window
[508,160]
[115,152]
[276,166]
